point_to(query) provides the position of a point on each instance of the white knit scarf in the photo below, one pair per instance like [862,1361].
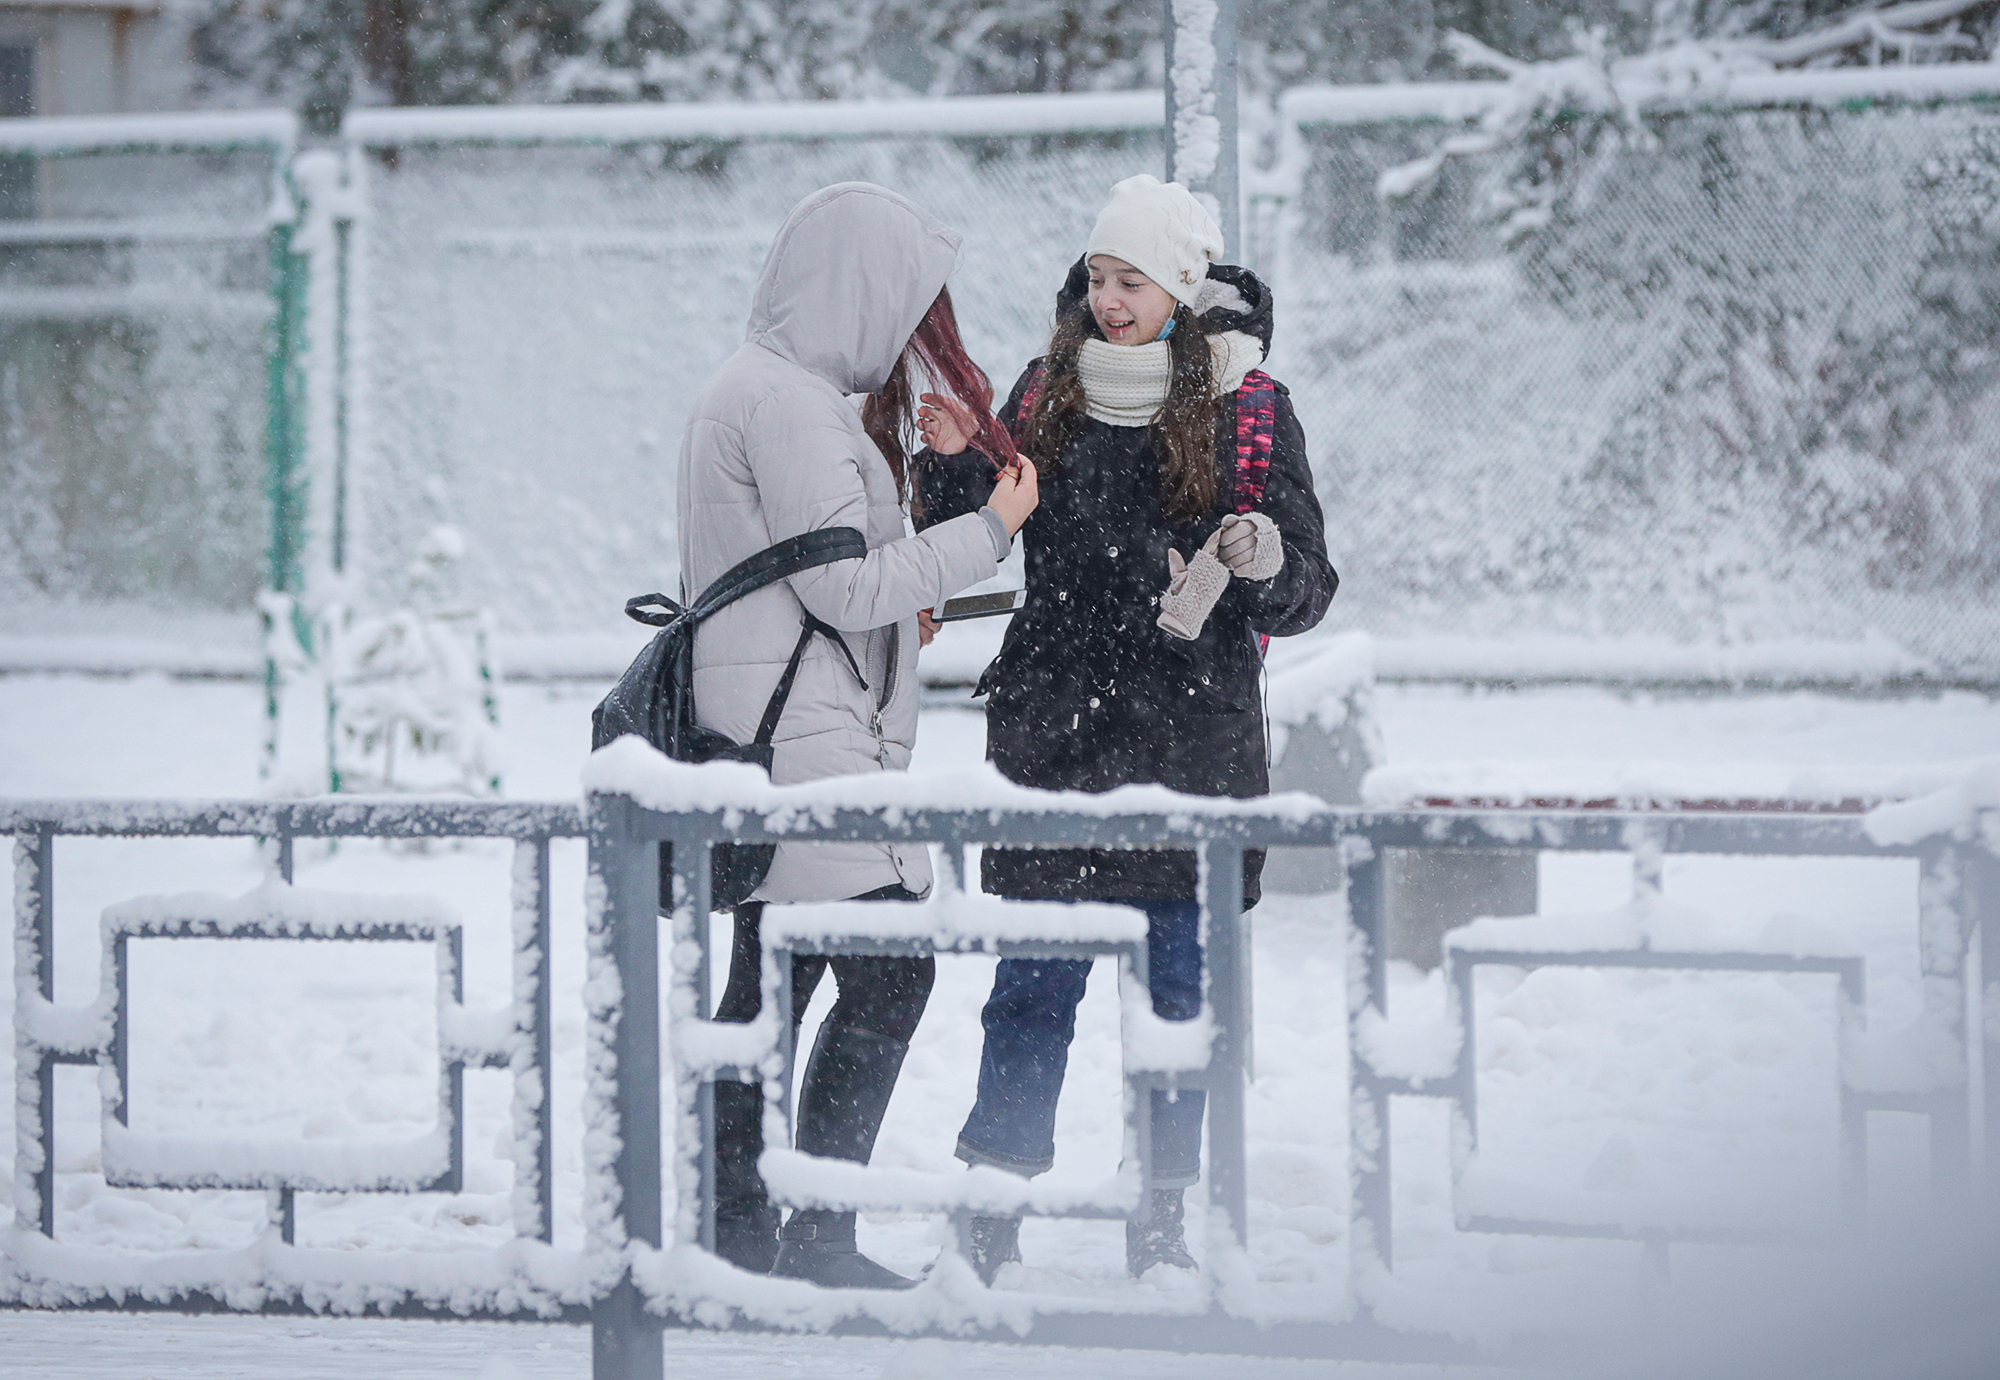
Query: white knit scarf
[1126,385]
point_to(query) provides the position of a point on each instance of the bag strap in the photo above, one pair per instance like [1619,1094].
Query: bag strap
[773,563]
[774,708]
[777,562]
[1029,397]
[636,606]
[1256,432]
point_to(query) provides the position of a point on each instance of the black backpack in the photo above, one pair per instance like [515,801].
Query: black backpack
[655,697]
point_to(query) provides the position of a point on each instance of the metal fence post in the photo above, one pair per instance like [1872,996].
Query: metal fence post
[1944,921]
[284,454]
[532,1084]
[1371,1231]
[35,1068]
[1983,882]
[627,1341]
[1223,939]
[1201,111]
[690,863]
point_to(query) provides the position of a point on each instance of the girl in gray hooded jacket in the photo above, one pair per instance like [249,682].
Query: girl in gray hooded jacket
[851,301]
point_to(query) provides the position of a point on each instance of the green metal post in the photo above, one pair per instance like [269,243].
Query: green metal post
[284,455]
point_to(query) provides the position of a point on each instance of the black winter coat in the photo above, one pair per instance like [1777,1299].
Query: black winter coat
[1087,692]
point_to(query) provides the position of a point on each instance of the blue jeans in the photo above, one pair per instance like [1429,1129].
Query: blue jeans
[1030,1020]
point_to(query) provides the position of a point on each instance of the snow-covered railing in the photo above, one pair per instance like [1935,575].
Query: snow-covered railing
[179,132]
[640,799]
[1453,102]
[516,1037]
[642,1266]
[1932,1072]
[1108,112]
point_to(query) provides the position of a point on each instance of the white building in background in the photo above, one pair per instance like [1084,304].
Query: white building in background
[92,57]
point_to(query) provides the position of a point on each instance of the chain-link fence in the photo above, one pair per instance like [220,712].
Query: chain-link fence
[533,323]
[137,302]
[1732,382]
[1736,382]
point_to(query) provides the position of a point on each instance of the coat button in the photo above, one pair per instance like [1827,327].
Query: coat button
[1111,551]
[1093,701]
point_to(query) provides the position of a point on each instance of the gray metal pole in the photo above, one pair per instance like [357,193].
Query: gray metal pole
[35,1078]
[1945,918]
[1984,882]
[531,970]
[628,1342]
[1201,109]
[1368,1102]
[1227,953]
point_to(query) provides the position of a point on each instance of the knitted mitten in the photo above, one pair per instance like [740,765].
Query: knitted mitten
[1250,546]
[1192,589]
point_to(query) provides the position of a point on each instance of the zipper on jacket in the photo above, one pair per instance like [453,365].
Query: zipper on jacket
[888,681]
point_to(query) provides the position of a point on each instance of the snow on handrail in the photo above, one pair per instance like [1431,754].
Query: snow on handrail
[323,817]
[629,767]
[952,921]
[953,116]
[1961,806]
[1652,785]
[799,1179]
[208,129]
[1458,101]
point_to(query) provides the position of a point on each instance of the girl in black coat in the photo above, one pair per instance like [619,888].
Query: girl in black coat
[1177,529]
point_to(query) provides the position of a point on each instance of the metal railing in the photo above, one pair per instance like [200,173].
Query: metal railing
[1958,918]
[625,879]
[48,1035]
[632,1279]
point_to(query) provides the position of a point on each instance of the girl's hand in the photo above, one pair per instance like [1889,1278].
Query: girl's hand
[946,424]
[927,627]
[1016,495]
[1251,547]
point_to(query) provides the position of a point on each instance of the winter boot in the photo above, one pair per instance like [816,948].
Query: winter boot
[746,1223]
[990,1243]
[841,1101]
[1159,1240]
[818,1247]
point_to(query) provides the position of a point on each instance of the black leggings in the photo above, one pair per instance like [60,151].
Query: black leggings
[882,995]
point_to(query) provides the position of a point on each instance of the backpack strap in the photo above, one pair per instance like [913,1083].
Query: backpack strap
[774,563]
[774,708]
[1256,433]
[1029,396]
[777,562]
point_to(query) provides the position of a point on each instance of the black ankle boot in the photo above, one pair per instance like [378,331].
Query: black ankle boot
[746,1223]
[818,1247]
[990,1243]
[1160,1239]
[841,1101]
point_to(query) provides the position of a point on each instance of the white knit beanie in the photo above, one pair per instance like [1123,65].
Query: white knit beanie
[1161,230]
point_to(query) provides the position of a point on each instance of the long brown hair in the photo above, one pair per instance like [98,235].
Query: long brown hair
[1183,434]
[937,354]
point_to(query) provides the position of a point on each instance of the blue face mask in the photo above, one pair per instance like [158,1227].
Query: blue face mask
[1167,329]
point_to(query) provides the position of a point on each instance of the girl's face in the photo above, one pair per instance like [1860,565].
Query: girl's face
[1131,309]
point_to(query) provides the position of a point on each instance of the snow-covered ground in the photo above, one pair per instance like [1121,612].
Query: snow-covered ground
[1616,1097]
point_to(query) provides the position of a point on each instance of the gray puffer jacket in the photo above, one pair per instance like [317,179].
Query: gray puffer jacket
[774,447]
